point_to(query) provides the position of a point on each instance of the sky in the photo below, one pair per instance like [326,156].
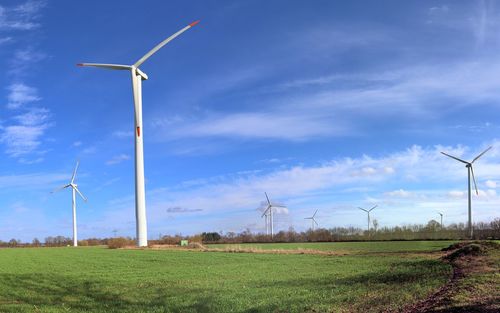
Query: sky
[324,105]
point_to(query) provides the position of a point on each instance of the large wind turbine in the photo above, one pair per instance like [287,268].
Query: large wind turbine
[313,221]
[470,171]
[368,211]
[137,77]
[269,212]
[74,189]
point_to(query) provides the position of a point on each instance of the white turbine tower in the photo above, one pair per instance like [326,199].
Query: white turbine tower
[441,214]
[137,77]
[470,171]
[313,221]
[268,213]
[74,189]
[368,212]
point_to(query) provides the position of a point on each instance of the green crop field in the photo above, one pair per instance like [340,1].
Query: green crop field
[104,280]
[347,247]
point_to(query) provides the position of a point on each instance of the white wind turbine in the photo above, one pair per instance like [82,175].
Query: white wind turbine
[368,212]
[313,221]
[268,214]
[74,189]
[441,214]
[470,171]
[137,77]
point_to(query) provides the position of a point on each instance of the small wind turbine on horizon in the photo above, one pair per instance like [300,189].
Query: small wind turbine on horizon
[368,212]
[137,77]
[74,189]
[470,171]
[268,214]
[313,221]
[441,214]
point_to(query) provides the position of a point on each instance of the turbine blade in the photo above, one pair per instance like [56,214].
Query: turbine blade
[363,209]
[74,172]
[474,179]
[84,199]
[265,212]
[268,202]
[161,44]
[315,213]
[315,222]
[480,155]
[455,158]
[373,208]
[107,66]
[60,188]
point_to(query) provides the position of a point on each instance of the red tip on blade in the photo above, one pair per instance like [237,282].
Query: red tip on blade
[79,64]
[194,23]
[138,132]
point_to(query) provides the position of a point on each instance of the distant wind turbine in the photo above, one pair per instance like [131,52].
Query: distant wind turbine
[470,170]
[137,77]
[74,188]
[268,214]
[441,214]
[313,221]
[368,212]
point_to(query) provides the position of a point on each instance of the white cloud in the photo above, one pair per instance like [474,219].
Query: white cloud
[21,17]
[5,40]
[118,159]
[24,137]
[77,143]
[21,139]
[491,184]
[21,94]
[399,193]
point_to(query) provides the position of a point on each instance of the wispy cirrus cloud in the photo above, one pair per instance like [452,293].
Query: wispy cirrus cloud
[23,60]
[21,94]
[118,159]
[21,17]
[182,210]
[22,134]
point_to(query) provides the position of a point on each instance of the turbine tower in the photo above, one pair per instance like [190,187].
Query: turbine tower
[368,211]
[470,170]
[137,77]
[313,221]
[441,214]
[268,213]
[74,189]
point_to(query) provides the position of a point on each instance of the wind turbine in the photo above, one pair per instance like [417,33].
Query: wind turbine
[137,77]
[470,171]
[368,211]
[269,213]
[441,214]
[313,221]
[74,189]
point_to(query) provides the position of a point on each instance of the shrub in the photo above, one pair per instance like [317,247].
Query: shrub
[120,242]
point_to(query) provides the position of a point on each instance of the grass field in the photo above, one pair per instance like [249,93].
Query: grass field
[104,280]
[347,247]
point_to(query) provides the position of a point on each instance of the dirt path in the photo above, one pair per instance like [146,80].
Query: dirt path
[473,287]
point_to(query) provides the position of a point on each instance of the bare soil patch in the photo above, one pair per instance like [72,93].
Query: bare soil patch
[474,284]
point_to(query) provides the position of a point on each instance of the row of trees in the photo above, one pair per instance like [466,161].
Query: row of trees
[431,231]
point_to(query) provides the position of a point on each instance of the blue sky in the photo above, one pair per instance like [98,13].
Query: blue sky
[325,105]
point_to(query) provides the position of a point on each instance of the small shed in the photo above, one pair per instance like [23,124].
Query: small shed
[184,243]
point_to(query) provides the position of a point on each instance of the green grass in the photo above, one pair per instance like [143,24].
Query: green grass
[348,247]
[103,280]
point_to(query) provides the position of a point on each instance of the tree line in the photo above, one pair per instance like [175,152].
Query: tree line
[430,231]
